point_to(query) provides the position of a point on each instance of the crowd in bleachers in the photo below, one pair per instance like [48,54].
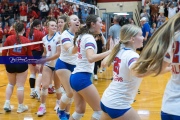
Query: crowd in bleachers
[44,10]
[157,12]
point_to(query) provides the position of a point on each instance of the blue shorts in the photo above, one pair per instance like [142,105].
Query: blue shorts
[63,65]
[166,116]
[81,80]
[113,113]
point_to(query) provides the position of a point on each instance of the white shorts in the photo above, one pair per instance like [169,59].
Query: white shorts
[24,18]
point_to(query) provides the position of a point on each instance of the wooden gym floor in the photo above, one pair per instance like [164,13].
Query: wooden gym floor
[147,102]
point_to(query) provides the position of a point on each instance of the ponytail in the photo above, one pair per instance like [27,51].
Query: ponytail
[114,52]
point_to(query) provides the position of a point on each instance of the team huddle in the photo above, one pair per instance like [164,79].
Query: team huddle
[70,52]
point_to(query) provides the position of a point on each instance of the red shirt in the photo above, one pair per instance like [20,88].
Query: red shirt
[23,10]
[1,33]
[6,30]
[20,51]
[37,36]
[45,30]
[12,32]
[32,14]
[56,12]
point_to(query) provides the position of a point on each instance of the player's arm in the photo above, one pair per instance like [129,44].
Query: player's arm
[68,46]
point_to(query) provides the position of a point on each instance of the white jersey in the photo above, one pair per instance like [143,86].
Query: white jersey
[67,37]
[85,42]
[171,98]
[50,45]
[122,90]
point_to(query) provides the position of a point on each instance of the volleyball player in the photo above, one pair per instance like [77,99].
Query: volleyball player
[61,26]
[17,73]
[66,63]
[161,51]
[117,98]
[35,35]
[80,79]
[52,48]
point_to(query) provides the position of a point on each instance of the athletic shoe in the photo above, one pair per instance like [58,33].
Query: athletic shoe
[31,94]
[22,108]
[41,111]
[7,107]
[61,115]
[36,95]
[95,77]
[100,71]
[67,115]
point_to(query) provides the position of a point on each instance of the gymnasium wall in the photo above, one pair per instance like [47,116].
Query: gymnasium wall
[118,5]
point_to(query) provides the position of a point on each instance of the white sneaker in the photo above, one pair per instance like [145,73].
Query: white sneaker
[22,108]
[41,111]
[7,107]
[36,95]
[95,77]
[32,94]
[100,71]
[103,69]
[57,105]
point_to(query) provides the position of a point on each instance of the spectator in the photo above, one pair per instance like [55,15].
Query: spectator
[23,12]
[84,15]
[56,12]
[44,9]
[161,19]
[32,14]
[161,7]
[11,18]
[146,15]
[29,23]
[52,4]
[16,10]
[34,6]
[155,2]
[75,9]
[153,28]
[6,7]
[147,6]
[114,33]
[171,10]
[145,30]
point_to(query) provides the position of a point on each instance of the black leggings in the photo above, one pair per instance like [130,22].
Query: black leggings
[99,50]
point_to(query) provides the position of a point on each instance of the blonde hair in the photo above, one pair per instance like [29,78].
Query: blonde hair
[127,31]
[151,58]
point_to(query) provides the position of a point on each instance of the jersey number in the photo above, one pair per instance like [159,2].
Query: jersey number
[176,52]
[17,49]
[117,62]
[49,48]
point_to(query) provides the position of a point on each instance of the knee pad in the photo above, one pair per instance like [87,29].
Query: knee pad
[63,91]
[9,85]
[44,91]
[59,90]
[65,99]
[20,88]
[77,116]
[97,115]
[32,76]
